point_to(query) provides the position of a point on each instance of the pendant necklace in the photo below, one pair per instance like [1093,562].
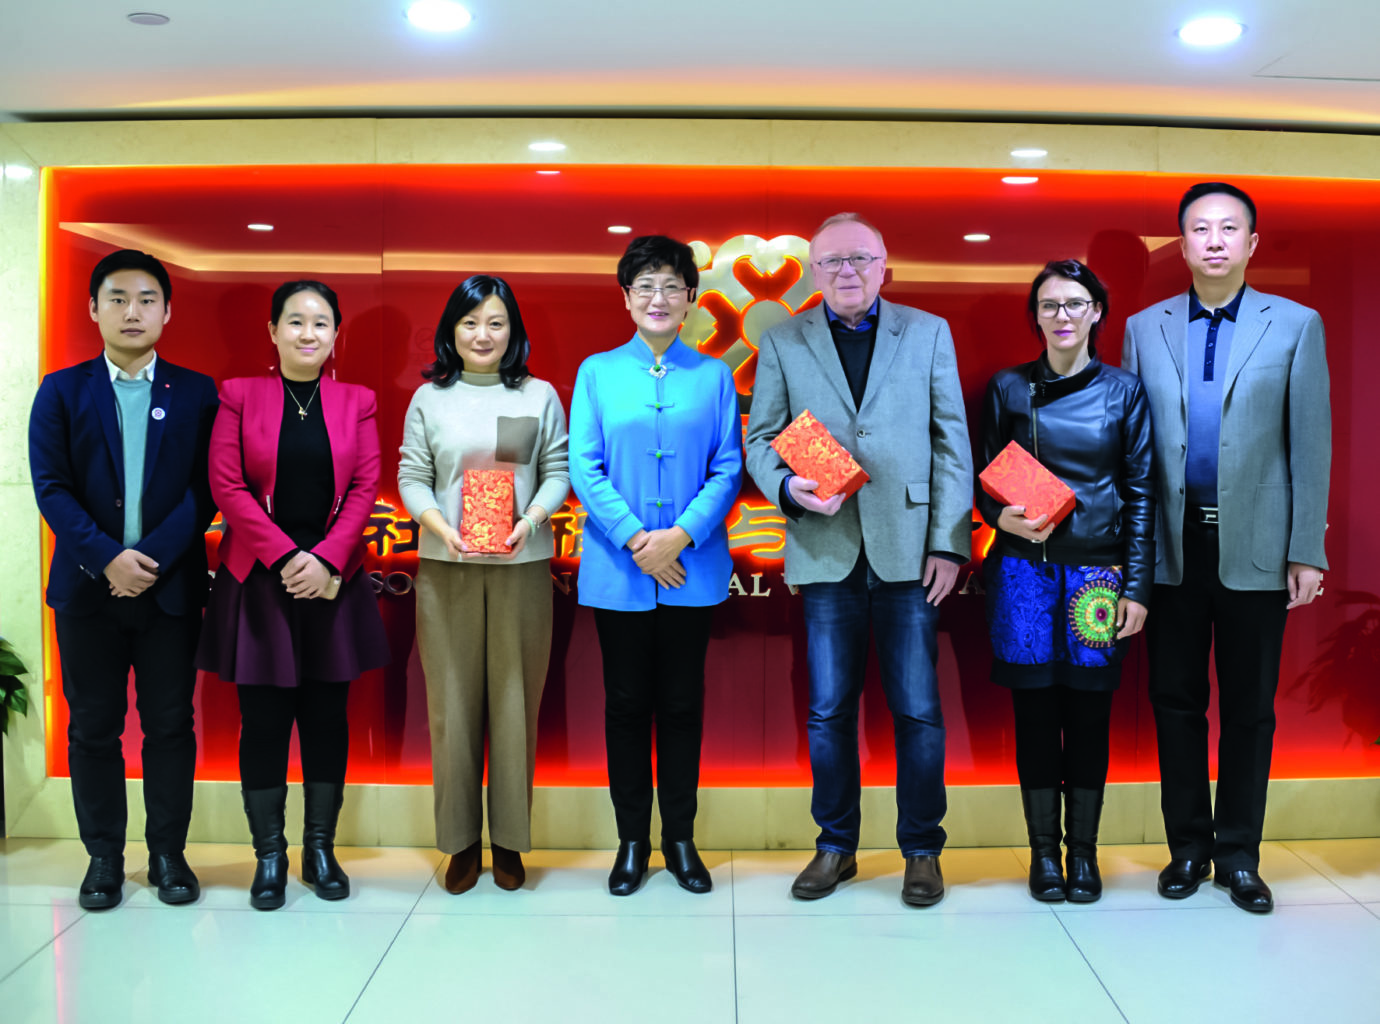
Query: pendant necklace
[302,409]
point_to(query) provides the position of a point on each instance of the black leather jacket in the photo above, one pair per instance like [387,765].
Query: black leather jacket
[1092,430]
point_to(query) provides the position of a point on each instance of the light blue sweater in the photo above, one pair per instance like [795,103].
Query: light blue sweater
[648,453]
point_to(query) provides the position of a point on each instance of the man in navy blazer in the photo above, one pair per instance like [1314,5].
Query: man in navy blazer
[1238,389]
[117,448]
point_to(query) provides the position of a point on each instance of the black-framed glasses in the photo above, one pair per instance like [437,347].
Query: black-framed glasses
[670,292]
[859,262]
[1077,309]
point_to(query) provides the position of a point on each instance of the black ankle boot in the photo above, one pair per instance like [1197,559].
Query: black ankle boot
[1042,825]
[683,861]
[1082,815]
[265,809]
[629,866]
[320,869]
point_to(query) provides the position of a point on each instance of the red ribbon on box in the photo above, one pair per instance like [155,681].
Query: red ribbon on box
[811,452]
[1015,477]
[486,516]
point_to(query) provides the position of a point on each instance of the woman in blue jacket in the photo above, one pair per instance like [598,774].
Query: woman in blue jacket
[656,459]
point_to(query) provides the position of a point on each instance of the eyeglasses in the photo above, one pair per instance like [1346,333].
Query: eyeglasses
[833,264]
[1077,309]
[670,292]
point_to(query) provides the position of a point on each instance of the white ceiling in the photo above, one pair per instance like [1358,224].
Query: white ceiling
[1298,64]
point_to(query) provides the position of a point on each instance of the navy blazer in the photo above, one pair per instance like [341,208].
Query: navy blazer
[78,466]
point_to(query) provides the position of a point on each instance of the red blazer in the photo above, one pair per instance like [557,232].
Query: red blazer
[244,468]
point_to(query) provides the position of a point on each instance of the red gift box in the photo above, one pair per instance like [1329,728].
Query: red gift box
[486,511]
[1015,477]
[812,453]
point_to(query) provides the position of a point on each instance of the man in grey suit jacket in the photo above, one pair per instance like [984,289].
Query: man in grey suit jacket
[1238,389]
[883,379]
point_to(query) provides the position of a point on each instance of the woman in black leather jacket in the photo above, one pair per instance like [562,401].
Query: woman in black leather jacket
[1062,600]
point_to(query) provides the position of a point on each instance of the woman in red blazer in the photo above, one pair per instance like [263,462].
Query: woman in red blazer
[292,619]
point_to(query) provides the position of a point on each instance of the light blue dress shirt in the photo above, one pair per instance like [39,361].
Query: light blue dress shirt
[651,453]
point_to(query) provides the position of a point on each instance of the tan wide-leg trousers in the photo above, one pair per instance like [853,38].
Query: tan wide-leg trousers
[484,635]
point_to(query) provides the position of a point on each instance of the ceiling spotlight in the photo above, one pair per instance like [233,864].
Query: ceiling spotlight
[18,172]
[1019,179]
[619,229]
[1029,154]
[259,227]
[977,237]
[546,147]
[1214,31]
[147,18]
[548,172]
[438,15]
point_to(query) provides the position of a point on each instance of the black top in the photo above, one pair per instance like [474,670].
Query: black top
[305,488]
[855,353]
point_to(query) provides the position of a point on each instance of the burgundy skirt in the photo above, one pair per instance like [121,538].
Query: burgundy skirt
[256,633]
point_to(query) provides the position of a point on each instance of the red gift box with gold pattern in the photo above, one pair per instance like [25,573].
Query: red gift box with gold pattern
[811,452]
[1015,477]
[486,515]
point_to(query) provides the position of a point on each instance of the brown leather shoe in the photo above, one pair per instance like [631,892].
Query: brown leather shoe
[823,874]
[924,884]
[463,870]
[508,870]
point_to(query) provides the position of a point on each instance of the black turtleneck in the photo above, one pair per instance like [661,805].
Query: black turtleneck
[305,488]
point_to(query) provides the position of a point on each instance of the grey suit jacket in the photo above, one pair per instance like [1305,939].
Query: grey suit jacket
[910,435]
[1275,451]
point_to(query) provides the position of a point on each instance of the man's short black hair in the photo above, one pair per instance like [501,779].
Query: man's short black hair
[1214,188]
[652,252]
[131,259]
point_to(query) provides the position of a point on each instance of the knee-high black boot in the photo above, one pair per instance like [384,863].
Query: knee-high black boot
[1042,825]
[265,809]
[320,869]
[1082,815]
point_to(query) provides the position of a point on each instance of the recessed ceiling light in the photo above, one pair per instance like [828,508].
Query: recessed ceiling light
[18,172]
[548,172]
[619,229]
[977,237]
[438,15]
[147,18]
[260,227]
[1031,153]
[546,147]
[1213,31]
[1019,179]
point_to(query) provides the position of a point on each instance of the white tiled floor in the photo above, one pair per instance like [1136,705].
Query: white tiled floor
[563,950]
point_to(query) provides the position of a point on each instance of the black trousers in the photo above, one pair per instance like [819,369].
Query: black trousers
[98,651]
[1244,631]
[1062,737]
[267,714]
[654,672]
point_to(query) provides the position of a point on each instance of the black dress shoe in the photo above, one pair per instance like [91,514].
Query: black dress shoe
[823,874]
[683,861]
[1181,877]
[104,883]
[629,866]
[924,882]
[1248,891]
[174,878]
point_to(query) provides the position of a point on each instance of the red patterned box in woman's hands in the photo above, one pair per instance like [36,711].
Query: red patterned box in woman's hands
[811,452]
[486,514]
[1015,477]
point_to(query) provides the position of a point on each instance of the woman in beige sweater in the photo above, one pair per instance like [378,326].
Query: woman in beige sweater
[483,621]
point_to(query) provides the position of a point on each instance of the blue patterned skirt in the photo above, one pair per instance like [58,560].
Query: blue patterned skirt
[1053,624]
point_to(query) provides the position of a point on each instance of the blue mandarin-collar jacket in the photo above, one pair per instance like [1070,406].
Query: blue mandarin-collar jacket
[651,453]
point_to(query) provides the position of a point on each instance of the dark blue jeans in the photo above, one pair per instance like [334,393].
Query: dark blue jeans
[837,620]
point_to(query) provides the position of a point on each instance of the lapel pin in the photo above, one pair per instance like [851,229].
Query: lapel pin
[158,414]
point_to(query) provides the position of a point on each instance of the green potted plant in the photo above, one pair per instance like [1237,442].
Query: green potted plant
[14,698]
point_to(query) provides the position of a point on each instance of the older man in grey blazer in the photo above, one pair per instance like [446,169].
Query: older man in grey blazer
[883,379]
[1238,389]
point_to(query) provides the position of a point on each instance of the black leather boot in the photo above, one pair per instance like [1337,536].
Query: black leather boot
[1082,815]
[1042,825]
[265,809]
[320,869]
[683,861]
[629,866]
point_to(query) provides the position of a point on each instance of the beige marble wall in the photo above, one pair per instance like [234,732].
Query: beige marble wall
[38,806]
